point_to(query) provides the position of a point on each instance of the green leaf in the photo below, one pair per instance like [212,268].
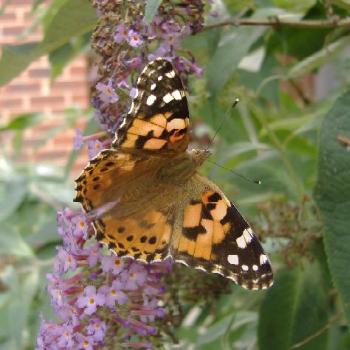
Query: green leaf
[300,42]
[294,311]
[12,193]
[333,194]
[60,57]
[15,58]
[11,242]
[22,122]
[22,289]
[72,19]
[151,10]
[233,46]
[318,59]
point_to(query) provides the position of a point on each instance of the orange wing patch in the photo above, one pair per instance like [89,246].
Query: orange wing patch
[143,237]
[214,237]
[202,227]
[161,131]
[94,184]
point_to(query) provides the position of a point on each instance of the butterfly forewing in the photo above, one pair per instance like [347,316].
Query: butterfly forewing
[158,119]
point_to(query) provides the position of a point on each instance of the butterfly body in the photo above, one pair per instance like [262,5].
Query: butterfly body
[162,207]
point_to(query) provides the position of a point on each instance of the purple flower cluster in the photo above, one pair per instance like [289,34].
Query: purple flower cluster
[103,301]
[100,300]
[127,43]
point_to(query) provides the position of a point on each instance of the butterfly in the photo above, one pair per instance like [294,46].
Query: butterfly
[157,204]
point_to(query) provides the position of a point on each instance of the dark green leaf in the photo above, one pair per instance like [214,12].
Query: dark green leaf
[151,10]
[300,42]
[333,194]
[294,310]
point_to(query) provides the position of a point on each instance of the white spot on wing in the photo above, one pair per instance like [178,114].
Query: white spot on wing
[233,259]
[123,123]
[232,278]
[153,86]
[131,107]
[201,268]
[255,267]
[150,100]
[170,74]
[241,242]
[245,267]
[176,94]
[263,259]
[248,234]
[167,98]
[160,78]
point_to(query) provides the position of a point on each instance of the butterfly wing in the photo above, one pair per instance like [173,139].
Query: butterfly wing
[126,205]
[213,236]
[158,119]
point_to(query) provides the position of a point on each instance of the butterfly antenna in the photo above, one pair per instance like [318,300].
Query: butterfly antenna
[234,104]
[257,182]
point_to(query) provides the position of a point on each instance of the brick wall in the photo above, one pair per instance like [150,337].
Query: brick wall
[33,91]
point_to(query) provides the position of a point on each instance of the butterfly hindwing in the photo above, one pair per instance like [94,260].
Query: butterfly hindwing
[138,227]
[143,236]
[216,238]
[158,119]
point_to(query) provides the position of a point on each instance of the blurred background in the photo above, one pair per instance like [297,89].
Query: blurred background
[46,92]
[287,77]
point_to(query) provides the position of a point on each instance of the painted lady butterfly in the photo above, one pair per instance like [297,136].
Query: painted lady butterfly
[162,206]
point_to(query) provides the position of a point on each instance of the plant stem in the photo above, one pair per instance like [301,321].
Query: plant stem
[278,22]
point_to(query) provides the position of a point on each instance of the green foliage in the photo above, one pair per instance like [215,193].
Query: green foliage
[296,293]
[333,194]
[151,9]
[279,133]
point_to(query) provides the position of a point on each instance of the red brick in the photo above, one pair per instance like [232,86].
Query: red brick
[78,71]
[73,86]
[46,126]
[39,72]
[16,30]
[81,100]
[50,154]
[64,140]
[15,102]
[47,101]
[21,2]
[22,87]
[11,16]
[32,92]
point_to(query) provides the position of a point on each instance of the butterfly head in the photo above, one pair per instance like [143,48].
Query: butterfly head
[199,155]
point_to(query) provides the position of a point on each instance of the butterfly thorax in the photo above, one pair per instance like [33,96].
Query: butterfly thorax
[179,169]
